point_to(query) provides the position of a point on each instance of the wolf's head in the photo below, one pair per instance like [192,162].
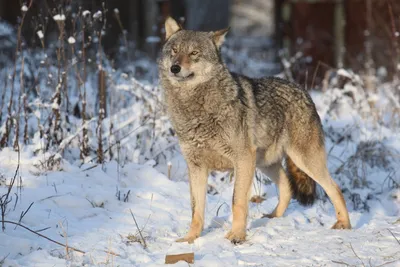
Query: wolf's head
[190,57]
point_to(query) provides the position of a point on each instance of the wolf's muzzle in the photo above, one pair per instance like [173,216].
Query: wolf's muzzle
[175,69]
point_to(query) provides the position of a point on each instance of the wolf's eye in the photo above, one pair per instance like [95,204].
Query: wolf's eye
[174,50]
[194,53]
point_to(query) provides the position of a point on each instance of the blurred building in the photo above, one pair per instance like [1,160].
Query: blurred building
[337,33]
[340,33]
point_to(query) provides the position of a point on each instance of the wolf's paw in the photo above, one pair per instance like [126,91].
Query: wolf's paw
[189,238]
[236,237]
[342,225]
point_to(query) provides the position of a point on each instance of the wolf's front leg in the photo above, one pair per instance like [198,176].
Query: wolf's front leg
[244,172]
[198,189]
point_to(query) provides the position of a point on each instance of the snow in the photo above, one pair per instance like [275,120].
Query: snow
[71,40]
[55,105]
[89,206]
[85,206]
[6,29]
[153,39]
[86,13]
[59,17]
[40,34]
[344,73]
[97,15]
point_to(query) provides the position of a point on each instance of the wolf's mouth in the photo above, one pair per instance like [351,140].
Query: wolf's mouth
[184,78]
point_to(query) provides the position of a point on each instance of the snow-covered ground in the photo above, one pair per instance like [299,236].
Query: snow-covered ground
[89,208]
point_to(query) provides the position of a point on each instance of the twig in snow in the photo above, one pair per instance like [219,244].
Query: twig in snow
[43,229]
[140,232]
[91,202]
[356,255]
[148,218]
[89,168]
[389,262]
[45,237]
[394,236]
[55,187]
[126,197]
[3,259]
[315,75]
[66,240]
[54,196]
[220,207]
[169,170]
[5,199]
[23,213]
[56,242]
[341,262]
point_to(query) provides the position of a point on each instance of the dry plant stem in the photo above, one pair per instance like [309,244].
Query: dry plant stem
[341,262]
[3,96]
[111,128]
[23,213]
[56,111]
[66,240]
[45,237]
[21,95]
[82,97]
[123,31]
[315,75]
[102,95]
[25,104]
[111,154]
[386,263]
[368,50]
[395,44]
[118,159]
[17,119]
[4,140]
[5,200]
[357,255]
[169,171]
[85,138]
[394,236]
[4,259]
[51,240]
[57,131]
[100,152]
[140,232]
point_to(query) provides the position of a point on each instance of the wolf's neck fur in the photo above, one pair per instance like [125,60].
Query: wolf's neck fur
[195,110]
[218,88]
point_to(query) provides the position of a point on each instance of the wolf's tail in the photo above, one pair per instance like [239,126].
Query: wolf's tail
[302,185]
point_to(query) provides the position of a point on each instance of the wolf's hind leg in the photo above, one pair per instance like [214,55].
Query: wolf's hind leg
[278,176]
[313,163]
[198,189]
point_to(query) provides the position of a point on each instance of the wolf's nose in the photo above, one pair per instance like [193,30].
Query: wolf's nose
[175,69]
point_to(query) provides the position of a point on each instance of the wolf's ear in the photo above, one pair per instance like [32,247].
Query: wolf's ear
[219,36]
[171,27]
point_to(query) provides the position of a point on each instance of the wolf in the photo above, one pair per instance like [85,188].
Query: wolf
[226,121]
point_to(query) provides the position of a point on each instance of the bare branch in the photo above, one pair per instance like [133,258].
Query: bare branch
[140,232]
